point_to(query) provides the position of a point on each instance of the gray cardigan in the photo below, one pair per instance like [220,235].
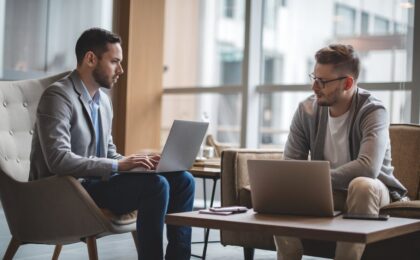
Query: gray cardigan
[369,143]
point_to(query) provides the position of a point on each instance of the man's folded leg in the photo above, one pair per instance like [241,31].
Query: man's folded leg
[365,196]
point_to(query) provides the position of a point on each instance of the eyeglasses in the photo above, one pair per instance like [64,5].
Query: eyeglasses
[321,82]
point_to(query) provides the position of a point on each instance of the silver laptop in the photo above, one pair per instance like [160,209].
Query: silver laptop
[291,187]
[181,147]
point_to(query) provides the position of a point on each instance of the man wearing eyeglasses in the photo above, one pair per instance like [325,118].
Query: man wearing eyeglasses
[348,127]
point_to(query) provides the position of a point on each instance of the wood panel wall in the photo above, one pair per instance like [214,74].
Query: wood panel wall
[138,96]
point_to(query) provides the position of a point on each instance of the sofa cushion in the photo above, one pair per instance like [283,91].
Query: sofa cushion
[406,209]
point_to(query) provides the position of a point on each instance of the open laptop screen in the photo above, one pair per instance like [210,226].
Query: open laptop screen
[181,147]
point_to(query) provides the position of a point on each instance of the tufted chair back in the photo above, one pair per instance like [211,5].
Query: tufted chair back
[18,104]
[56,210]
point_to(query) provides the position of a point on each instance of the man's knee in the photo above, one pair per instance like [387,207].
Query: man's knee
[187,180]
[161,185]
[362,185]
[365,196]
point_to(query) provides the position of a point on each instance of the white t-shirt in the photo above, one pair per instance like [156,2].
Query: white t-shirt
[336,149]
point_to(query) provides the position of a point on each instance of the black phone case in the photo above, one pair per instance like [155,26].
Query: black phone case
[365,216]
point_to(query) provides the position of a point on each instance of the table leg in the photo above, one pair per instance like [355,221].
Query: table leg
[205,193]
[206,239]
[207,230]
[213,192]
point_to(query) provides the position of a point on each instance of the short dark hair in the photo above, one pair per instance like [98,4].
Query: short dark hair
[342,56]
[95,40]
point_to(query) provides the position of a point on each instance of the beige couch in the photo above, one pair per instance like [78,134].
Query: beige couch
[55,210]
[405,143]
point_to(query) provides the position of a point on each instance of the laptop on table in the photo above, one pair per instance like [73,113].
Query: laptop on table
[291,187]
[181,147]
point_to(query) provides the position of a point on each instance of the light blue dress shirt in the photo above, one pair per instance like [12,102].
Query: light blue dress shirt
[94,113]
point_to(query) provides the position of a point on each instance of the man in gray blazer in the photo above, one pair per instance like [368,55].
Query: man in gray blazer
[73,137]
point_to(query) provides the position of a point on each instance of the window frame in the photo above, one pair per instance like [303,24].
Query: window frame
[250,89]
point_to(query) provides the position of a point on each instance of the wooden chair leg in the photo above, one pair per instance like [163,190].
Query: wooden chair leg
[249,253]
[57,251]
[12,249]
[92,249]
[136,240]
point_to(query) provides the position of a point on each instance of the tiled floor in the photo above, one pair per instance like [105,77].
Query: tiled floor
[122,247]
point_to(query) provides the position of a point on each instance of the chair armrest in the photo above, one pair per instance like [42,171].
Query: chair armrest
[403,209]
[50,210]
[235,171]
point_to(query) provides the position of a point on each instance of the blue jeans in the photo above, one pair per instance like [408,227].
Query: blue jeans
[153,195]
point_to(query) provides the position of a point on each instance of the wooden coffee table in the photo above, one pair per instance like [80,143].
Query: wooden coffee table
[332,229]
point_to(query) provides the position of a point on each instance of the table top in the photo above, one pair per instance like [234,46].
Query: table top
[206,169]
[320,228]
[208,163]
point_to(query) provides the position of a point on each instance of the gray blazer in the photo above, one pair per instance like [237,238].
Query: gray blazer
[369,143]
[64,137]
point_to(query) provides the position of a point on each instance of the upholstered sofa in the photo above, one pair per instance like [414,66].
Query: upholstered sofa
[405,146]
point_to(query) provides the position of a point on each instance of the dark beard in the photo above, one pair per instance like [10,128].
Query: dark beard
[101,78]
[333,100]
[324,103]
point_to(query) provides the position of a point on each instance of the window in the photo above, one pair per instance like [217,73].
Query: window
[283,2]
[400,28]
[277,113]
[298,41]
[290,35]
[381,26]
[271,8]
[222,111]
[230,64]
[344,20]
[364,28]
[229,8]
[201,43]
[383,59]
[273,69]
[42,41]
[210,57]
